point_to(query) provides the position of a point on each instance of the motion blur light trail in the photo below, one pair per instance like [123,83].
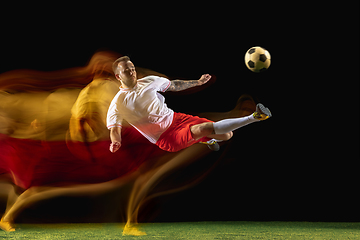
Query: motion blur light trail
[54,140]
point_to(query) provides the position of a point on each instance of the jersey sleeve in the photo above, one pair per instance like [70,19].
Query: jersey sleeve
[161,84]
[113,119]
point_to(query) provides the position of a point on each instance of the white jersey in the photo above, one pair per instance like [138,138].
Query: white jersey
[142,107]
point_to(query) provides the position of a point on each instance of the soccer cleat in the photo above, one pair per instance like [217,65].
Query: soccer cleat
[212,144]
[262,112]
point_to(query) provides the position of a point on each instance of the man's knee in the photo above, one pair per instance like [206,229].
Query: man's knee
[225,136]
[228,135]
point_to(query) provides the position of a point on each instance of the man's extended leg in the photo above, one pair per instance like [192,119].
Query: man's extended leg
[221,130]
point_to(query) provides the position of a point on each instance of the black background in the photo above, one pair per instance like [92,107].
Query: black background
[299,165]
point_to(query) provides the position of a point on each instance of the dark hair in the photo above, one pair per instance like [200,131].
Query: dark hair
[117,61]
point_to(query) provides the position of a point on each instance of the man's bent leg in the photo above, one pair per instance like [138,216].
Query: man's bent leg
[202,130]
[207,130]
[222,137]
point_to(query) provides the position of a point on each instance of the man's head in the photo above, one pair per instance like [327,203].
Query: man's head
[125,72]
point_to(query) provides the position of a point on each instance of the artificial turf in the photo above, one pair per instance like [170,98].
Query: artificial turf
[190,230]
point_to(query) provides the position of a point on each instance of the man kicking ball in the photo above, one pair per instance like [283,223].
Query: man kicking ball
[139,103]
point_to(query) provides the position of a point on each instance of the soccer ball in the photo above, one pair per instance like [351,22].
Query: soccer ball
[257,59]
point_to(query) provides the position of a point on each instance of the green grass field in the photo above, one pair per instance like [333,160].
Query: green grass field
[190,230]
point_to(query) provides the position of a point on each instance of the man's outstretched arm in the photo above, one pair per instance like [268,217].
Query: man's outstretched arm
[180,85]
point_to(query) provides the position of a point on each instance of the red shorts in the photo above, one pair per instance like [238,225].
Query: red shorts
[178,136]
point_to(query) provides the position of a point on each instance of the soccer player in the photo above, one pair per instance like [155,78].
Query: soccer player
[139,104]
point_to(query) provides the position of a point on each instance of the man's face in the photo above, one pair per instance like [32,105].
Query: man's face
[127,74]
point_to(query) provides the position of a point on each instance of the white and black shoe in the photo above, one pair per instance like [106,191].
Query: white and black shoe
[212,144]
[262,112]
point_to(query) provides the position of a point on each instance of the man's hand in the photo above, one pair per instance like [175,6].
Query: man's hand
[114,146]
[115,136]
[204,79]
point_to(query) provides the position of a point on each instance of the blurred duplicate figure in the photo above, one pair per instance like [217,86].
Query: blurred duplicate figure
[140,104]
